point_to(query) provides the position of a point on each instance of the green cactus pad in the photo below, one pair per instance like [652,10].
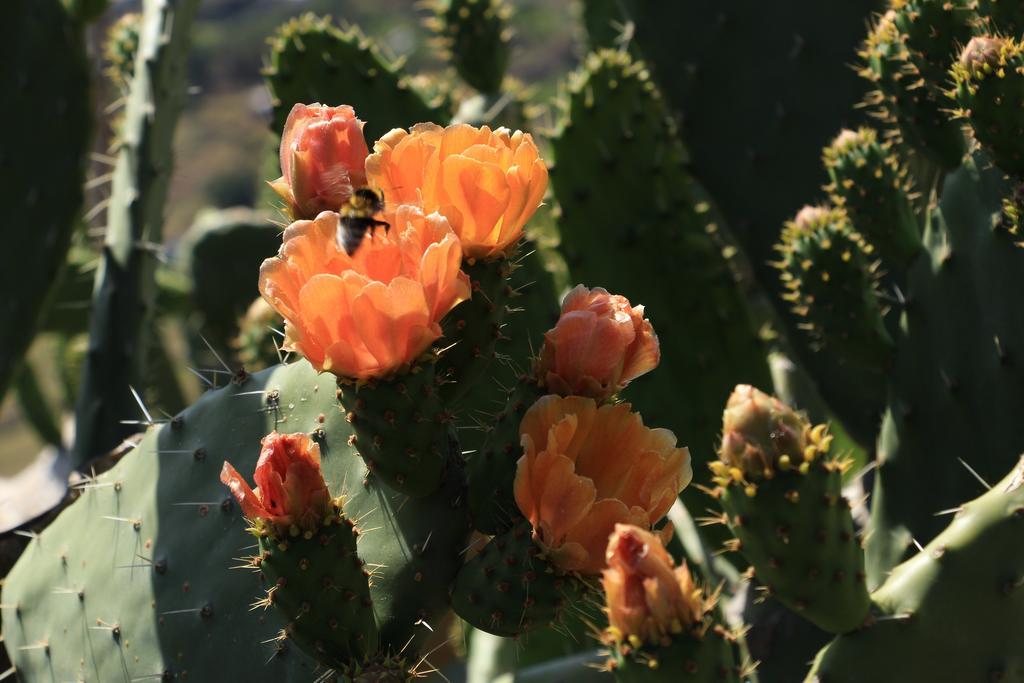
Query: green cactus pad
[150,545]
[476,36]
[989,87]
[43,163]
[955,386]
[869,181]
[322,587]
[706,658]
[125,291]
[222,252]
[472,329]
[631,224]
[492,471]
[954,612]
[831,284]
[510,589]
[401,428]
[902,101]
[797,532]
[311,60]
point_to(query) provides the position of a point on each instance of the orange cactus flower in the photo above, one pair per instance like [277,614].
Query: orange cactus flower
[598,346]
[290,489]
[586,468]
[487,183]
[647,596]
[323,157]
[371,314]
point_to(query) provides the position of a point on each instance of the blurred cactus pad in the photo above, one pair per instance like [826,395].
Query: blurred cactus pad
[500,340]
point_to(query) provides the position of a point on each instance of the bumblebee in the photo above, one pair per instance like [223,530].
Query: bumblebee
[357,217]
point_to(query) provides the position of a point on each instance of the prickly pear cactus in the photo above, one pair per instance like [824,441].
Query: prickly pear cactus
[966,581]
[311,60]
[44,164]
[115,589]
[125,290]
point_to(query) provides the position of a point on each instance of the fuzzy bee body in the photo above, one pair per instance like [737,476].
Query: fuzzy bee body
[357,217]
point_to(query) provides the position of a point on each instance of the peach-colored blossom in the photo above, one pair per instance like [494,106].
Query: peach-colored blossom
[323,157]
[373,313]
[586,468]
[487,183]
[290,488]
[646,595]
[600,343]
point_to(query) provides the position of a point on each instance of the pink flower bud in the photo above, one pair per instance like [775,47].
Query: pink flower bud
[598,346]
[323,157]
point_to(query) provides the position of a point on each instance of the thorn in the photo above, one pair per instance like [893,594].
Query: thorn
[142,406]
[977,476]
[216,355]
[916,544]
[200,376]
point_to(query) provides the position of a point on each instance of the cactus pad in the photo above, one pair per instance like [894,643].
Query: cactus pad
[135,578]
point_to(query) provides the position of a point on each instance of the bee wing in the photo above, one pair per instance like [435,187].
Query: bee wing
[337,182]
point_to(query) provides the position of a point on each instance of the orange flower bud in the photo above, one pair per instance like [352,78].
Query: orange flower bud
[290,487]
[598,346]
[586,468]
[758,429]
[487,183]
[373,313]
[323,157]
[647,596]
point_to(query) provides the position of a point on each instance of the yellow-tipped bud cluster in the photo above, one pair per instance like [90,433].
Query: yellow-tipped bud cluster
[761,436]
[986,56]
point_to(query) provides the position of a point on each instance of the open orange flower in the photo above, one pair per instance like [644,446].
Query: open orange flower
[598,346]
[587,468]
[290,488]
[323,157]
[372,313]
[647,596]
[487,183]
